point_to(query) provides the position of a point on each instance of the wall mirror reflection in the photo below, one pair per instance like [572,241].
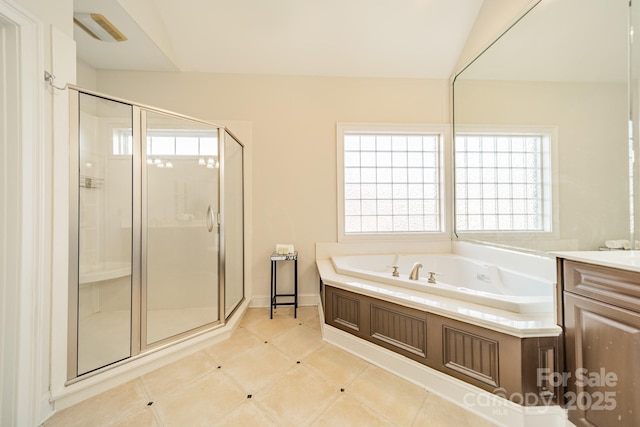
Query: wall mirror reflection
[541,131]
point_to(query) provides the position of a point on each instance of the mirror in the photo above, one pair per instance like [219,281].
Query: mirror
[541,131]
[634,117]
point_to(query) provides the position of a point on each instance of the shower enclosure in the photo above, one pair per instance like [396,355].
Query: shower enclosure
[156,229]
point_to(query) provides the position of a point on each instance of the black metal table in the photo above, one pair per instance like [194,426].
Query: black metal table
[275,257]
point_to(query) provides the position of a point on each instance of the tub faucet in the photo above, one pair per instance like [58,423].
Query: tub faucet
[415,271]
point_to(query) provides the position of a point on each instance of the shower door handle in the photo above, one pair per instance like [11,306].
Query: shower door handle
[209,219]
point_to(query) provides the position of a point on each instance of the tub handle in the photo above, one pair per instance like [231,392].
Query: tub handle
[395,272]
[432,276]
[209,219]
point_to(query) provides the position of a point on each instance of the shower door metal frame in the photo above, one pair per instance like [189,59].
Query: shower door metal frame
[139,233]
[221,232]
[74,222]
[144,230]
[222,132]
[74,247]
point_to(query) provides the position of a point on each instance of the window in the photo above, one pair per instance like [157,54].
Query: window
[169,143]
[389,180]
[122,142]
[181,143]
[503,181]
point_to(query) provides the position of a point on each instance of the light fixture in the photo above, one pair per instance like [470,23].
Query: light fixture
[201,162]
[98,27]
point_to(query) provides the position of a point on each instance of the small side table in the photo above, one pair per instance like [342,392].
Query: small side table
[275,257]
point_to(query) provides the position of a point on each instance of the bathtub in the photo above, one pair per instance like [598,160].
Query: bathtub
[457,277]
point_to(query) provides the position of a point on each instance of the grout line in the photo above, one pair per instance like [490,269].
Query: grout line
[329,405]
[426,396]
[154,412]
[366,404]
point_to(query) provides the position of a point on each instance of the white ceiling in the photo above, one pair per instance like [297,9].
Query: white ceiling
[364,38]
[139,52]
[568,40]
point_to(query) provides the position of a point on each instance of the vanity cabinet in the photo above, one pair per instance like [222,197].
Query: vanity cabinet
[493,361]
[602,344]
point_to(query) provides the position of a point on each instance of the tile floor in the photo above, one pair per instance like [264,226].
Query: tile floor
[269,373]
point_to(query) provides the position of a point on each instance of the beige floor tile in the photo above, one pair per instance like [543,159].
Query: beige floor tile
[335,364]
[298,397]
[253,315]
[202,403]
[272,328]
[347,411]
[298,342]
[177,374]
[242,340]
[308,313]
[438,412]
[247,414]
[103,409]
[256,368]
[194,392]
[284,311]
[313,321]
[392,396]
[144,418]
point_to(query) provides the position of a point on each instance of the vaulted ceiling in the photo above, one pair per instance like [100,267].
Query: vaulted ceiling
[568,40]
[364,38]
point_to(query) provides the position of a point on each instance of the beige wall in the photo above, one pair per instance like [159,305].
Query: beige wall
[294,142]
[86,75]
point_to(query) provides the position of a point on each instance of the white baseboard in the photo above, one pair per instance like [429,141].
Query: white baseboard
[482,403]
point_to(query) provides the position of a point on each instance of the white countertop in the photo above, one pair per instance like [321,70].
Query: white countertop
[515,324]
[624,260]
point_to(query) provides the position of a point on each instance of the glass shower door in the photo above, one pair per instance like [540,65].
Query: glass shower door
[180,226]
[233,223]
[103,192]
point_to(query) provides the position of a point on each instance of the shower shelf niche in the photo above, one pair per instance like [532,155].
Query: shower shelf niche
[91,182]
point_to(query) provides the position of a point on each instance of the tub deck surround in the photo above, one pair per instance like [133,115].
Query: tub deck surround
[521,325]
[457,277]
[491,361]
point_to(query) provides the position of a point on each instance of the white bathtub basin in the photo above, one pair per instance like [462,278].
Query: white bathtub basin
[460,278]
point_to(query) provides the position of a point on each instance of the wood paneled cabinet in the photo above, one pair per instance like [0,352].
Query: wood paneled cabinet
[602,344]
[496,362]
